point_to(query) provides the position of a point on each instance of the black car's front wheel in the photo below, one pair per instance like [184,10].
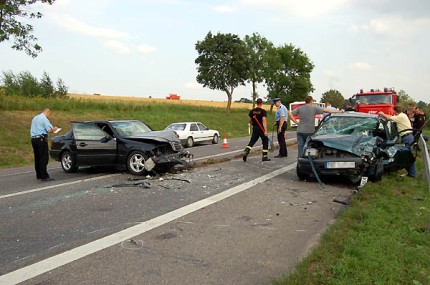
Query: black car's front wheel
[68,162]
[301,174]
[136,163]
[377,172]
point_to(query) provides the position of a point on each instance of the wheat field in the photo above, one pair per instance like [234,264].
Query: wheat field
[215,104]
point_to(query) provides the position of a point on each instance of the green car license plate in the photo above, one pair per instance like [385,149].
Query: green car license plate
[340,164]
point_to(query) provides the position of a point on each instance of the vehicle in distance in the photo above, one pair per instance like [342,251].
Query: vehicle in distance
[353,145]
[190,133]
[129,143]
[295,105]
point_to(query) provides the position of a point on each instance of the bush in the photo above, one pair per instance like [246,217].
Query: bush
[26,85]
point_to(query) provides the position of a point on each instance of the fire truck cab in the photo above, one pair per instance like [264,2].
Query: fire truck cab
[295,105]
[375,101]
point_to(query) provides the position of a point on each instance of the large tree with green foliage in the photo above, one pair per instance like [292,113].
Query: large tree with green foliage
[256,54]
[334,97]
[12,14]
[222,63]
[288,73]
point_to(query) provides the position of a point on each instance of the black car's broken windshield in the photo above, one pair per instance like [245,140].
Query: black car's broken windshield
[129,129]
[359,126]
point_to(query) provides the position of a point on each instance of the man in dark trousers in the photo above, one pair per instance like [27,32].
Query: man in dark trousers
[40,127]
[258,120]
[281,126]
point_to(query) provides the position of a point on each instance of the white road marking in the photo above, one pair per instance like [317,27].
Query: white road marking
[58,185]
[231,152]
[69,256]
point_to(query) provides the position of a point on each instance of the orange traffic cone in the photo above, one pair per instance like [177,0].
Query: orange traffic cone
[225,144]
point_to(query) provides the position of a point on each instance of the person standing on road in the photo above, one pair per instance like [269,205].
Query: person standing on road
[281,126]
[258,120]
[40,127]
[404,129]
[306,124]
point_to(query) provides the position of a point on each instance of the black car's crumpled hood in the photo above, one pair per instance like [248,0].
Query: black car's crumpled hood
[354,144]
[161,136]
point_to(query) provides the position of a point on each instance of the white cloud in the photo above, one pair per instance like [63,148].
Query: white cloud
[223,9]
[360,66]
[117,46]
[144,49]
[303,8]
[394,26]
[74,25]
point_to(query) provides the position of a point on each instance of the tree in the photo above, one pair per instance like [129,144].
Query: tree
[29,85]
[46,86]
[288,73]
[10,83]
[221,63]
[256,54]
[334,97]
[422,105]
[62,90]
[25,84]
[11,12]
[404,99]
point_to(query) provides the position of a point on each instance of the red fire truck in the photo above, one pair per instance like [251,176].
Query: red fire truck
[375,101]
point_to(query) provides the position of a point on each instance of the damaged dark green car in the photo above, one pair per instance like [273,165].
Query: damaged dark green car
[353,145]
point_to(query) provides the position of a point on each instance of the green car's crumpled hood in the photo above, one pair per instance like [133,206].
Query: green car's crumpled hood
[354,144]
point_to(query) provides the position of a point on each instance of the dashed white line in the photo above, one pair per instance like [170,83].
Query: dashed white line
[58,185]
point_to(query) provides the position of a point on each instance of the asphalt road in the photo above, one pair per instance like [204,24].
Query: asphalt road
[219,223]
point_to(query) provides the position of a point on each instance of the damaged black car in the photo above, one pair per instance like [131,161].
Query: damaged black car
[353,145]
[128,143]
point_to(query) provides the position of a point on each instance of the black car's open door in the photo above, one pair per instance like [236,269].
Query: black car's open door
[93,145]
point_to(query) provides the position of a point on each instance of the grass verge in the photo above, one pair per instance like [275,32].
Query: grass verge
[382,237]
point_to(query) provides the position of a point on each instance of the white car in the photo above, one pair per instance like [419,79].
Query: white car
[193,132]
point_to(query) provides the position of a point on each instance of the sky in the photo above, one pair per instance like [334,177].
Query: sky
[145,48]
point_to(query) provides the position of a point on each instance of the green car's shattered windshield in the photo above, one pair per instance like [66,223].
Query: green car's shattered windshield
[348,126]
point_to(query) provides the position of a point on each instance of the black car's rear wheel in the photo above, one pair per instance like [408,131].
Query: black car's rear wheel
[68,162]
[136,163]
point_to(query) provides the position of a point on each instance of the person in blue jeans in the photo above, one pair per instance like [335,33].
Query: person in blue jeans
[306,124]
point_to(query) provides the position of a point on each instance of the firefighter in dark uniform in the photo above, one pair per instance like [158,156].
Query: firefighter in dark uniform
[258,120]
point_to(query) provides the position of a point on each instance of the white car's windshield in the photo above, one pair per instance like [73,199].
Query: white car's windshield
[177,127]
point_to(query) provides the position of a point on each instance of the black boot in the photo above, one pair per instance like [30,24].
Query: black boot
[265,158]
[245,154]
